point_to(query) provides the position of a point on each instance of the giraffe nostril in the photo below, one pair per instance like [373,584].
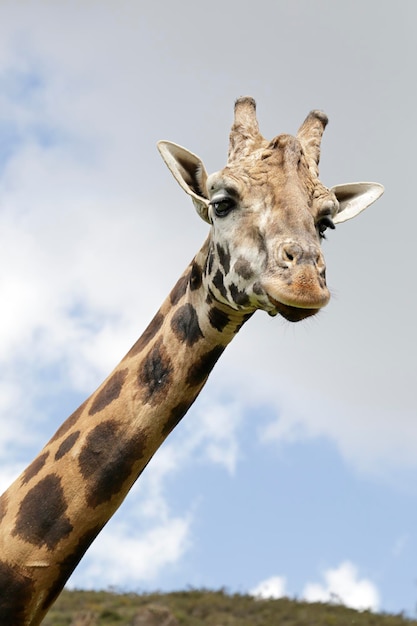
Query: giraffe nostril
[289,254]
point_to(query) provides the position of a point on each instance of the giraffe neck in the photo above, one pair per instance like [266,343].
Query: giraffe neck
[55,509]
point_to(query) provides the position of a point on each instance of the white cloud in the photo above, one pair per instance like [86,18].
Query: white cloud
[373,440]
[126,561]
[274,587]
[342,585]
[213,433]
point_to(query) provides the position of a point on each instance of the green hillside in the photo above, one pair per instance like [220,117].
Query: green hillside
[203,608]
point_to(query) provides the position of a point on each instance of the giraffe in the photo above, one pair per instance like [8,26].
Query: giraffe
[268,212]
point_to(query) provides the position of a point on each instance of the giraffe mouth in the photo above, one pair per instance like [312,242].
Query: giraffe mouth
[292,313]
[300,295]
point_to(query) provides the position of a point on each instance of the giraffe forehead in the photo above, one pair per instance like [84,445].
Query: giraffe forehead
[277,167]
[281,153]
[284,148]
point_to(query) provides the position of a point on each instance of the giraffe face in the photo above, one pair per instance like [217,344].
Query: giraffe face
[268,217]
[268,212]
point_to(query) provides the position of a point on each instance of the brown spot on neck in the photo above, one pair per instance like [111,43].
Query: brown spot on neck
[150,332]
[155,373]
[16,593]
[198,372]
[196,277]
[218,318]
[41,520]
[180,288]
[185,325]
[34,467]
[69,423]
[108,459]
[66,445]
[175,416]
[109,392]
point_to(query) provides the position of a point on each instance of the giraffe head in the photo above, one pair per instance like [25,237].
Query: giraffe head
[268,213]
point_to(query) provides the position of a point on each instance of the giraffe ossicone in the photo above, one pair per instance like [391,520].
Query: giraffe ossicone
[268,212]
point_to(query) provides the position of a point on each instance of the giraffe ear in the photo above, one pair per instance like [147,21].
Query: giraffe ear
[189,171]
[354,198]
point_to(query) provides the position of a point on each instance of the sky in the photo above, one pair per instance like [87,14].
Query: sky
[294,474]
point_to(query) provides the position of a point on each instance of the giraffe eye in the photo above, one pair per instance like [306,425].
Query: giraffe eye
[223,206]
[323,224]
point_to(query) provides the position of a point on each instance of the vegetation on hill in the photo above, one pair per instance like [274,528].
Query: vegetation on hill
[204,608]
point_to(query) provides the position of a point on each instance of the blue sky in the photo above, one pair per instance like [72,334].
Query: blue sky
[298,463]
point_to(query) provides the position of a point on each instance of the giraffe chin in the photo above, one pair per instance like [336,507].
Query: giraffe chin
[292,313]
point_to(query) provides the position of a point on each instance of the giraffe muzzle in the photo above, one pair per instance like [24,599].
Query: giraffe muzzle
[296,286]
